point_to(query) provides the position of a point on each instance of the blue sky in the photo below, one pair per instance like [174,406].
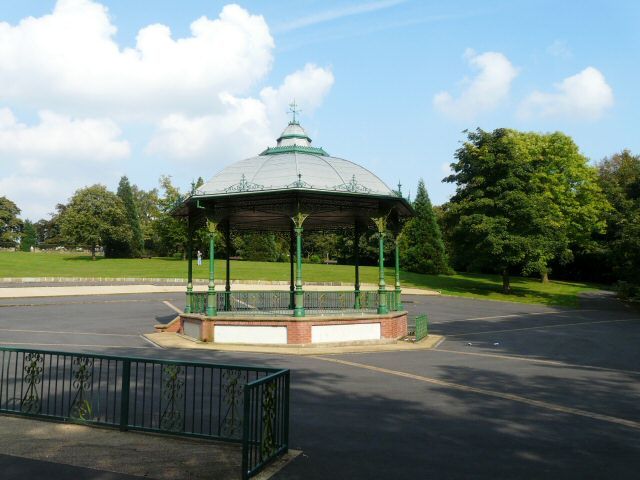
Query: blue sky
[389,84]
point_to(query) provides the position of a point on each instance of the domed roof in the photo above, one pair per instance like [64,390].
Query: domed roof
[294,164]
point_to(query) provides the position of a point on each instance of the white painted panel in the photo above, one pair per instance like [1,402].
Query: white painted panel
[345,333]
[249,334]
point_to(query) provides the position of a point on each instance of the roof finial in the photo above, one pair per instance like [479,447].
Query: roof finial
[399,188]
[293,110]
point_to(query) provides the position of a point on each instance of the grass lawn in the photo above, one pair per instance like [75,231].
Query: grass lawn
[525,290]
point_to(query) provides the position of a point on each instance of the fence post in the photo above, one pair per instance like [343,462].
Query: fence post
[245,433]
[124,395]
[286,412]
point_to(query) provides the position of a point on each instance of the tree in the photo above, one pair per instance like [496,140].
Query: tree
[134,247]
[619,177]
[522,200]
[29,237]
[171,231]
[421,246]
[148,212]
[95,217]
[10,224]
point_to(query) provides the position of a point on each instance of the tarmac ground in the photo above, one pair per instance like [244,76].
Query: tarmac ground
[514,390]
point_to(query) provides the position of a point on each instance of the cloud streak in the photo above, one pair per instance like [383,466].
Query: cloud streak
[337,13]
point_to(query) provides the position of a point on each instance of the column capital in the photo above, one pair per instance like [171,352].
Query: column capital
[380,223]
[298,219]
[212,227]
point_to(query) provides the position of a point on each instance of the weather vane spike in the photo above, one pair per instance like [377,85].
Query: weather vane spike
[294,110]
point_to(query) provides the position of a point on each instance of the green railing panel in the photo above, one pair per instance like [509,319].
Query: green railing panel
[172,397]
[279,301]
[421,327]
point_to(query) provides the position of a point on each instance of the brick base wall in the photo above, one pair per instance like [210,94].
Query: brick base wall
[392,325]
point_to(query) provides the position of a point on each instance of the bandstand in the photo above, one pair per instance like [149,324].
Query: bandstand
[294,188]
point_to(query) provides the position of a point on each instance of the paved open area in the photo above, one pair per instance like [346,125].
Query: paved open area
[515,390]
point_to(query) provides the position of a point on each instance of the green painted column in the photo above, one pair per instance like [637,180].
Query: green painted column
[189,301]
[227,283]
[398,306]
[381,223]
[356,254]
[292,253]
[298,310]
[212,299]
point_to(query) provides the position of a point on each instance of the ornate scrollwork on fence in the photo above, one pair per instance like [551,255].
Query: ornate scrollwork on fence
[32,375]
[232,391]
[268,444]
[173,391]
[81,408]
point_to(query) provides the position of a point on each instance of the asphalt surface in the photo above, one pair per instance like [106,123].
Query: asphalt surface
[515,391]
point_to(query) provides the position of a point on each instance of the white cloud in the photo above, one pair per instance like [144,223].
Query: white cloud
[586,95]
[95,99]
[42,164]
[245,127]
[486,91]
[69,60]
[59,137]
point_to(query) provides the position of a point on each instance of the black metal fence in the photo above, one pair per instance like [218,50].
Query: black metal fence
[226,402]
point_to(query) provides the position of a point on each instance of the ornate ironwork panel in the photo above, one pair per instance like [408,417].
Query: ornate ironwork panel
[232,399]
[32,375]
[268,444]
[81,408]
[172,396]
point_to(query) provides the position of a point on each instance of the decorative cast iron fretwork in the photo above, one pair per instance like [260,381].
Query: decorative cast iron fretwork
[173,391]
[81,408]
[299,218]
[353,186]
[232,390]
[32,374]
[244,186]
[268,444]
[299,183]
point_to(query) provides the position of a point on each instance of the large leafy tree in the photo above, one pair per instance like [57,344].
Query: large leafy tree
[134,247]
[421,246]
[170,231]
[619,177]
[522,200]
[10,224]
[95,217]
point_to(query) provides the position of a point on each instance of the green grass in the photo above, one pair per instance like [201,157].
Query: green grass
[525,290]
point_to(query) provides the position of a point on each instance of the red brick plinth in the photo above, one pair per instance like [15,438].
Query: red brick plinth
[393,325]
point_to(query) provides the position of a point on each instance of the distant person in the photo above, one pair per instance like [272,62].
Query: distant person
[199,257]
[32,249]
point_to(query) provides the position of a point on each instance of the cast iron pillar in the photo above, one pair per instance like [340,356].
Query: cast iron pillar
[381,224]
[356,253]
[227,283]
[292,253]
[398,306]
[212,299]
[189,303]
[298,310]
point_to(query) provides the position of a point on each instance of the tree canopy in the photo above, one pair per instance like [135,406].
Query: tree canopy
[10,224]
[522,199]
[421,246]
[94,217]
